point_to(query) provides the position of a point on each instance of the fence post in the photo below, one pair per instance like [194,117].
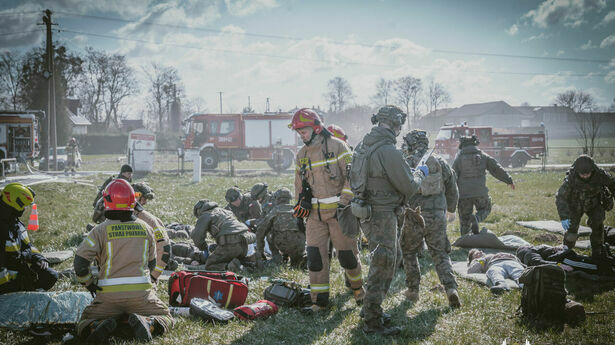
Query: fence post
[196,169]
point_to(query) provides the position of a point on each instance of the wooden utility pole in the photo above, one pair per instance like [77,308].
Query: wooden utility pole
[51,95]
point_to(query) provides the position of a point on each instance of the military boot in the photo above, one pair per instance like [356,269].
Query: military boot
[379,328]
[313,309]
[359,295]
[234,265]
[499,288]
[412,295]
[474,225]
[386,318]
[141,326]
[453,298]
[102,331]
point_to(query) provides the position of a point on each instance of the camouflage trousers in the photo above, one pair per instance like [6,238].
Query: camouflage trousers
[595,220]
[116,305]
[381,232]
[466,208]
[291,243]
[223,254]
[434,234]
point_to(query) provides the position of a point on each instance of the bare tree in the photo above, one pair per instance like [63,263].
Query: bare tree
[407,92]
[437,96]
[339,94]
[165,88]
[91,84]
[11,74]
[120,83]
[384,88]
[588,123]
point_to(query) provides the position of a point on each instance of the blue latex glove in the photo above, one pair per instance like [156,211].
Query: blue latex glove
[566,224]
[424,169]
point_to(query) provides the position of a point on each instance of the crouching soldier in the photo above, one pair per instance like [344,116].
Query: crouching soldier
[232,237]
[437,194]
[589,190]
[287,236]
[22,267]
[143,193]
[99,206]
[125,250]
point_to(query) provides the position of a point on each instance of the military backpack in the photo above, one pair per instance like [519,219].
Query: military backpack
[543,296]
[358,178]
[432,183]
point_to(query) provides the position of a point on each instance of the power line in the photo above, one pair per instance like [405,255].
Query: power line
[18,33]
[304,59]
[18,13]
[279,37]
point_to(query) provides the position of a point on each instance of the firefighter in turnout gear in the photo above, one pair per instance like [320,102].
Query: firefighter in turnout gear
[125,249]
[232,236]
[72,151]
[144,193]
[22,267]
[437,194]
[321,170]
[471,164]
[589,190]
[388,184]
[99,206]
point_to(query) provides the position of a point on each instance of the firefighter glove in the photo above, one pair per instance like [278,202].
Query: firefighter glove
[566,224]
[424,169]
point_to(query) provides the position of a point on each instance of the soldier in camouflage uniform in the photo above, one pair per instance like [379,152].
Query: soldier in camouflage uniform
[390,182]
[239,204]
[262,200]
[437,194]
[286,235]
[587,189]
[232,237]
[471,165]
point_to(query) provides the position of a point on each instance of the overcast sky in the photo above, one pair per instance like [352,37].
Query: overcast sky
[516,51]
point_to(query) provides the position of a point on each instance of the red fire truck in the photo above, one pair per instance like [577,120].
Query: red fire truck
[257,137]
[19,134]
[510,146]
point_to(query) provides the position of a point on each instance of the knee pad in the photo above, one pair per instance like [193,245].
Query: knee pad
[347,259]
[322,299]
[314,259]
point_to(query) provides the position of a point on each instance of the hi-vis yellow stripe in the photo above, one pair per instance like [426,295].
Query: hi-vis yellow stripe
[109,257]
[347,191]
[319,287]
[324,206]
[326,161]
[126,287]
[353,278]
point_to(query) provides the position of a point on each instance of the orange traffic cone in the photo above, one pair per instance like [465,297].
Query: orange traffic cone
[33,221]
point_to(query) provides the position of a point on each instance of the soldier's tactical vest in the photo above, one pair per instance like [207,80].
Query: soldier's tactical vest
[284,220]
[586,194]
[432,184]
[472,165]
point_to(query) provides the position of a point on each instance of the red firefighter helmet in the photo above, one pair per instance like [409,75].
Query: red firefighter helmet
[306,118]
[338,132]
[119,196]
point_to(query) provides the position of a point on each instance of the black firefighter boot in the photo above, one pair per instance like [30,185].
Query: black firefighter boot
[141,326]
[101,331]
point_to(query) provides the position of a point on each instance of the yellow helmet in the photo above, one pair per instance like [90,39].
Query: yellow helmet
[17,196]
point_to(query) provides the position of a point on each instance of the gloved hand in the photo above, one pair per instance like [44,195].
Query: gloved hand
[424,169]
[93,288]
[566,224]
[302,209]
[44,265]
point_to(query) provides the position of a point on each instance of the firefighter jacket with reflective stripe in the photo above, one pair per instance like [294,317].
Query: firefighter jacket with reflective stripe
[123,251]
[218,222]
[471,165]
[324,162]
[163,244]
[15,248]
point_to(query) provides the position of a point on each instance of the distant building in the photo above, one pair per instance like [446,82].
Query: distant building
[79,123]
[131,125]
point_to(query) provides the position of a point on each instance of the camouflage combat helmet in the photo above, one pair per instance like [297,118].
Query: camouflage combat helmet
[415,139]
[391,115]
[143,190]
[203,206]
[584,164]
[465,141]
[258,190]
[232,194]
[282,195]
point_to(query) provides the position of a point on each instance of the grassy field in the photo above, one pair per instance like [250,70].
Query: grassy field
[64,210]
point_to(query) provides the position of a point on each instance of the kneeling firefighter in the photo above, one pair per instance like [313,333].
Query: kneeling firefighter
[125,249]
[321,186]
